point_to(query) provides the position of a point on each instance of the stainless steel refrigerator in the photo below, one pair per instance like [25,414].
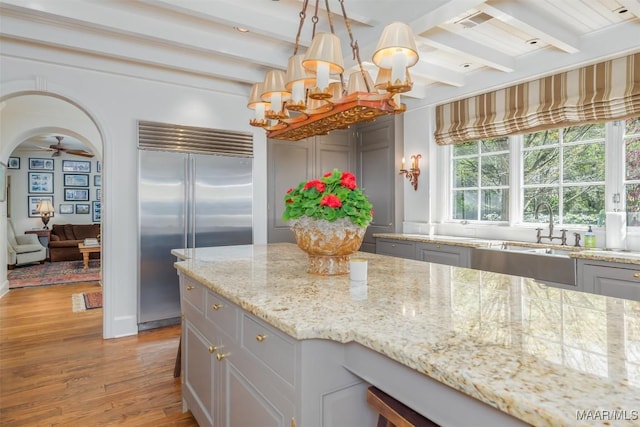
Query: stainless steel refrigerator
[186,200]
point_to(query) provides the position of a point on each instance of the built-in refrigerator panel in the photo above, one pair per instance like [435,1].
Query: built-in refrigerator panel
[162,220]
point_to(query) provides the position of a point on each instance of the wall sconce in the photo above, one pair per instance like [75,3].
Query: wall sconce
[413,173]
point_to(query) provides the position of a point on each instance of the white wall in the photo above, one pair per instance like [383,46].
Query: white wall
[116,102]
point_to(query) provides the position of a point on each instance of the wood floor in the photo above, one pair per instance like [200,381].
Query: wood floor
[56,370]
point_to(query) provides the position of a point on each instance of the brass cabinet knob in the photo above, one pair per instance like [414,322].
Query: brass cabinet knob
[189,287]
[221,356]
[212,349]
[216,306]
[636,275]
[260,337]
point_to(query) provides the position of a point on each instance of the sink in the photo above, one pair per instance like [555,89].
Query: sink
[550,265]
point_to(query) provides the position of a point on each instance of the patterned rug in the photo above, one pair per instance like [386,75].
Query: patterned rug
[51,273]
[86,301]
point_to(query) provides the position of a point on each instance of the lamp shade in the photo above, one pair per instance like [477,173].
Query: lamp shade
[296,72]
[336,91]
[325,48]
[397,38]
[357,82]
[274,85]
[255,96]
[45,207]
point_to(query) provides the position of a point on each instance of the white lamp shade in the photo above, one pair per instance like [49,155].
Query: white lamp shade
[325,48]
[296,72]
[357,82]
[45,207]
[397,37]
[274,84]
[255,96]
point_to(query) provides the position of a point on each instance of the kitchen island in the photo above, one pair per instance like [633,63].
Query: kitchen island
[460,346]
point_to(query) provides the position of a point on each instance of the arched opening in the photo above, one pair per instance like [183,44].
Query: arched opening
[30,122]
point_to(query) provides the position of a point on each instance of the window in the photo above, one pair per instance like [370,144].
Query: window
[504,179]
[564,167]
[632,171]
[481,180]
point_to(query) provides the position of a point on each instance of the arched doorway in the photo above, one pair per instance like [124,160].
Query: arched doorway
[27,116]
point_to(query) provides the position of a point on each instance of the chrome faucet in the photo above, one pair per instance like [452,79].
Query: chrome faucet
[563,237]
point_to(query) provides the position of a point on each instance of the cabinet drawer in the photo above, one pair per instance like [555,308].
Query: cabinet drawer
[221,313]
[444,254]
[396,248]
[271,347]
[193,293]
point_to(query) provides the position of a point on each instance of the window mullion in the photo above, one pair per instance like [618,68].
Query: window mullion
[614,165]
[516,170]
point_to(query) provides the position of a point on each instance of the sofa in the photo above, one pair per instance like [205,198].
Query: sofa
[63,243]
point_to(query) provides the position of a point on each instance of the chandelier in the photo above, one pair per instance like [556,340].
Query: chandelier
[312,97]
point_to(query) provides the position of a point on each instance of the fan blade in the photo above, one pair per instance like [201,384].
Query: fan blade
[46,148]
[79,153]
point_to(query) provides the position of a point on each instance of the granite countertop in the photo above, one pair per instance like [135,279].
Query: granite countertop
[598,254]
[538,353]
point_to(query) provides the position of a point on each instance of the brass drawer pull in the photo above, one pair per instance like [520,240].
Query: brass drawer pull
[189,287]
[221,356]
[212,349]
[636,275]
[261,337]
[216,306]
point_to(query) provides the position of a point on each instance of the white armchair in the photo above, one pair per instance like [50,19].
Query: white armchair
[23,249]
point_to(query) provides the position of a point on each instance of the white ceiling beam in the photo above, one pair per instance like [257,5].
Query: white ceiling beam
[438,73]
[443,13]
[474,51]
[633,6]
[539,25]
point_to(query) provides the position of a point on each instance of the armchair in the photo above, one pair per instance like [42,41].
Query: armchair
[23,249]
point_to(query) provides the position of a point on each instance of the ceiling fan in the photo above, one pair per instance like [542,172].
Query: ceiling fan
[59,148]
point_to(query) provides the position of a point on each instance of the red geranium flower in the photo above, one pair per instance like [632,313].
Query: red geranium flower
[331,200]
[348,180]
[289,200]
[290,190]
[315,183]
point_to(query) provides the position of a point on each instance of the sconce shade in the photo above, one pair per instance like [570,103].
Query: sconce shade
[325,48]
[255,96]
[45,207]
[357,83]
[397,37]
[274,85]
[296,72]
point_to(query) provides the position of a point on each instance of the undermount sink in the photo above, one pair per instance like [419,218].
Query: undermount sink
[543,264]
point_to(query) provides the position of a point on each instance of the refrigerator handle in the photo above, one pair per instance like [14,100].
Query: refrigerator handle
[185,206]
[192,199]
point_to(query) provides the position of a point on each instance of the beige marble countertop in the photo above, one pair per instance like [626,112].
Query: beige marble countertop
[625,257]
[541,354]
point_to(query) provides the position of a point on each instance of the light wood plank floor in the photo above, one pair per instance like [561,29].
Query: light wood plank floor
[56,370]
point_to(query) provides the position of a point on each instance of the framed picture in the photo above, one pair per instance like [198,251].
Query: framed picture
[76,195]
[76,180]
[97,211]
[41,182]
[33,201]
[83,208]
[97,180]
[99,194]
[13,163]
[98,166]
[3,182]
[41,164]
[66,208]
[76,166]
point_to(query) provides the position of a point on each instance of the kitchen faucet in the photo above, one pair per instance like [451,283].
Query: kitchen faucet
[563,237]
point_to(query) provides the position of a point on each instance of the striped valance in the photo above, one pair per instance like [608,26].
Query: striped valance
[596,93]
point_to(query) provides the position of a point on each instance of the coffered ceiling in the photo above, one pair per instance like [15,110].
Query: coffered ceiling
[466,46]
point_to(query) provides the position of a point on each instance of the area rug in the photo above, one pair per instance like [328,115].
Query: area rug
[51,273]
[86,301]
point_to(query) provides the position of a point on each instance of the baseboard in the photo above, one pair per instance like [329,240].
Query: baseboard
[4,288]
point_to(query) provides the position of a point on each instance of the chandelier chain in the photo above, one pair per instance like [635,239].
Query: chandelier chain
[354,44]
[303,16]
[314,19]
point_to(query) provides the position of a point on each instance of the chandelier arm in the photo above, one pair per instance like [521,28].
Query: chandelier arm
[326,3]
[303,15]
[314,19]
[354,45]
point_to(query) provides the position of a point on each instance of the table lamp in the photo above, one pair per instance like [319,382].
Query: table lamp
[45,209]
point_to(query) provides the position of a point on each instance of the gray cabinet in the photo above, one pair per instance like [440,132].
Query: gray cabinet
[610,278]
[457,256]
[397,248]
[378,150]
[290,162]
[240,371]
